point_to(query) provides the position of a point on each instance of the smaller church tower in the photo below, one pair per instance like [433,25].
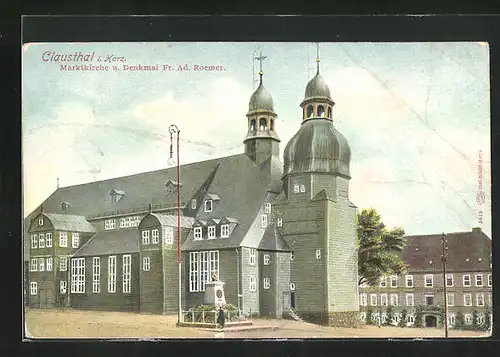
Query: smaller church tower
[261,140]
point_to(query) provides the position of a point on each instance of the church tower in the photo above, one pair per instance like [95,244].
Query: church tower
[261,140]
[318,219]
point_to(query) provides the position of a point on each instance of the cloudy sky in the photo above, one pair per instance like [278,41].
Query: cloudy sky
[416,116]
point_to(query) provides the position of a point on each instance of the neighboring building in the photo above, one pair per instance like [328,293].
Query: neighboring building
[468,281]
[243,219]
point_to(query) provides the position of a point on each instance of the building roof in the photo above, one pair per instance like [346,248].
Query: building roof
[317,89]
[171,220]
[71,223]
[118,241]
[469,251]
[261,100]
[273,241]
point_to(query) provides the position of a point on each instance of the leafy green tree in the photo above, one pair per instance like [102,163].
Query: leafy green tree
[378,248]
[402,320]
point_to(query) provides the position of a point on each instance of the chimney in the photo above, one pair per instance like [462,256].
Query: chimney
[476,229]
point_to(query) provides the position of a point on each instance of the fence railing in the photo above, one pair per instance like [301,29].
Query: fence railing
[210,317]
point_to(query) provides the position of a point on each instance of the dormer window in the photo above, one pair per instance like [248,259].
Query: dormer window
[224,231]
[263,221]
[279,222]
[171,186]
[208,205]
[193,203]
[267,208]
[198,234]
[116,195]
[302,188]
[211,232]
[64,206]
[40,221]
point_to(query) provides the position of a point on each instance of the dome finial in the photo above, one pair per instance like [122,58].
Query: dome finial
[317,58]
[261,59]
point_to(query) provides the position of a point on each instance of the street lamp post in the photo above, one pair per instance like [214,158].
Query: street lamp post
[444,258]
[173,129]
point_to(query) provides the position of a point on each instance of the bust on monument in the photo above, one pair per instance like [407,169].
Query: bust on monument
[214,292]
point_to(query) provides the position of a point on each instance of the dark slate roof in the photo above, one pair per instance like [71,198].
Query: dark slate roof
[273,241]
[468,251]
[118,241]
[71,223]
[171,220]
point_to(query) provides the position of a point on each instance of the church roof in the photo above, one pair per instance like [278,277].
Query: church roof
[471,252]
[261,100]
[317,89]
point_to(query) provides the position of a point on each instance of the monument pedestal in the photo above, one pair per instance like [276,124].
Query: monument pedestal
[214,293]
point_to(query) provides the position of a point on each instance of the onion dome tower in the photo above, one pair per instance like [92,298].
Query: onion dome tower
[261,140]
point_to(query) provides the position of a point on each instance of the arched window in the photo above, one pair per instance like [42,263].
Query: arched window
[321,111]
[252,125]
[309,111]
[272,124]
[262,124]
[330,112]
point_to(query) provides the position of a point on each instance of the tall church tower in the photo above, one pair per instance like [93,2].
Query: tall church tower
[261,140]
[318,219]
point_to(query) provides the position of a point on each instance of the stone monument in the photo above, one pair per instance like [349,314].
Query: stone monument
[214,292]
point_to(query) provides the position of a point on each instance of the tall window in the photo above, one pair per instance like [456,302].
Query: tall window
[109,224]
[480,299]
[96,275]
[193,203]
[78,275]
[467,299]
[267,208]
[262,124]
[168,235]
[466,280]
[468,319]
[41,240]
[33,288]
[34,241]
[214,263]
[279,222]
[373,299]
[383,299]
[409,281]
[204,276]
[252,283]
[146,263]
[449,280]
[410,300]
[155,235]
[211,232]
[309,111]
[63,239]
[252,125]
[363,299]
[479,279]
[63,263]
[489,280]
[302,188]
[253,256]
[224,230]
[383,282]
[429,300]
[267,258]
[394,281]
[450,299]
[208,206]
[127,273]
[75,237]
[41,264]
[145,237]
[40,221]
[394,299]
[263,221]
[48,240]
[429,281]
[198,234]
[267,283]
[193,271]
[48,264]
[63,286]
[34,264]
[318,253]
[112,274]
[321,111]
[202,265]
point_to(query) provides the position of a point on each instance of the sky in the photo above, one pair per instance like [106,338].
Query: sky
[416,116]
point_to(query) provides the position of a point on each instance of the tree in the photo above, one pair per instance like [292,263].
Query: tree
[459,321]
[369,312]
[378,248]
[402,320]
[390,315]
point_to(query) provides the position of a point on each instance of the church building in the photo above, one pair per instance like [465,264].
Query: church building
[281,236]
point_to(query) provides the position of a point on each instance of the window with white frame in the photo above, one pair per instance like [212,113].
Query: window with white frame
[193,271]
[63,286]
[202,265]
[302,188]
[296,188]
[40,221]
[48,240]
[429,280]
[263,220]
[41,240]
[168,235]
[480,319]
[480,299]
[252,283]
[451,320]
[34,241]
[253,256]
[490,282]
[292,286]
[48,264]
[394,299]
[63,263]
[410,300]
[363,299]
[34,264]
[383,282]
[204,270]
[450,299]
[193,203]
[224,230]
[449,280]
[479,279]
[145,237]
[467,299]
[409,281]
[146,263]
[318,253]
[123,223]
[127,273]
[394,281]
[466,280]
[137,221]
[214,264]
[96,274]
[33,288]
[279,222]
[78,275]
[41,264]
[267,259]
[373,299]
[208,205]
[468,319]
[75,240]
[292,256]
[410,319]
[63,239]
[211,232]
[198,234]
[267,283]
[267,208]
[155,236]
[112,274]
[109,224]
[383,299]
